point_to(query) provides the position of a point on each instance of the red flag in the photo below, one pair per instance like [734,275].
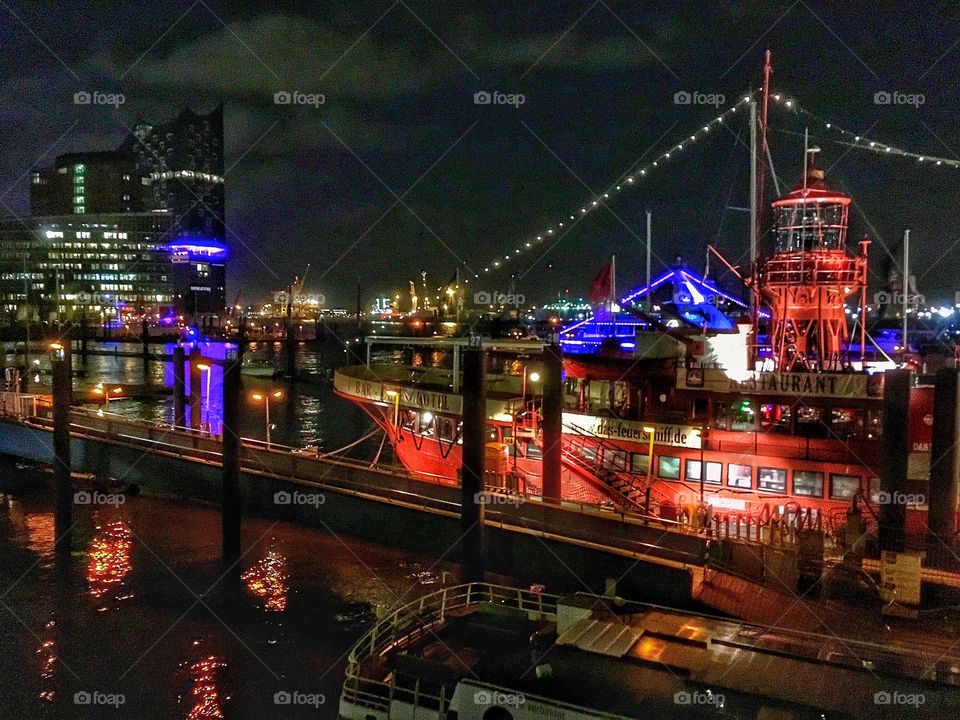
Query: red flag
[601,289]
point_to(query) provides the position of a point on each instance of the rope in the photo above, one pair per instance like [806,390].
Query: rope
[355,442]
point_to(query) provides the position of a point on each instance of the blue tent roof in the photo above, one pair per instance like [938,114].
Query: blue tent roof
[680,297]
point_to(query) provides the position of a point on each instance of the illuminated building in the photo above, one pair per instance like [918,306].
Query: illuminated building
[105,265]
[198,274]
[87,183]
[131,231]
[182,163]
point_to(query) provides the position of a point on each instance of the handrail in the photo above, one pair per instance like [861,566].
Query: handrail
[422,616]
[417,618]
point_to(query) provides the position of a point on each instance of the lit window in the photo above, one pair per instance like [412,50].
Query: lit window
[739,476]
[669,467]
[809,483]
[843,487]
[714,472]
[772,480]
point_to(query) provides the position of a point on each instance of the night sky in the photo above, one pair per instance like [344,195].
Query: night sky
[320,185]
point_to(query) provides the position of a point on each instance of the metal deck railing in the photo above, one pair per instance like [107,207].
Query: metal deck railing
[414,621]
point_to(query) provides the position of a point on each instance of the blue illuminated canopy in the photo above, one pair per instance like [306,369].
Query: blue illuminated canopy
[679,298]
[197,248]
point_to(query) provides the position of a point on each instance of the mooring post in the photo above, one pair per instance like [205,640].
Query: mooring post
[944,465]
[63,483]
[83,336]
[195,391]
[473,461]
[893,475]
[552,421]
[230,500]
[290,348]
[242,338]
[179,388]
[145,349]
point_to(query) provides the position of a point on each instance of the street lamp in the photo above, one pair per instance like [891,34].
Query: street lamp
[395,396]
[650,431]
[265,398]
[205,367]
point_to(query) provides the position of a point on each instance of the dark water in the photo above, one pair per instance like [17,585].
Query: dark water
[141,613]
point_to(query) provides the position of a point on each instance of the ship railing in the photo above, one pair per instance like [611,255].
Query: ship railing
[794,447]
[768,527]
[18,405]
[419,620]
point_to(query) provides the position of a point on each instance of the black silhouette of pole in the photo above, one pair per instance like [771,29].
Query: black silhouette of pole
[242,338]
[145,349]
[179,387]
[944,463]
[230,499]
[83,336]
[473,459]
[63,483]
[290,347]
[893,476]
[552,421]
[195,391]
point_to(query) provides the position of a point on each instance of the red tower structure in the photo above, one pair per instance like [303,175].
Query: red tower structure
[810,275]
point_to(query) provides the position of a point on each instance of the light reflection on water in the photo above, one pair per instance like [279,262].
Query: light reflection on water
[267,578]
[108,563]
[47,663]
[307,597]
[205,695]
[40,534]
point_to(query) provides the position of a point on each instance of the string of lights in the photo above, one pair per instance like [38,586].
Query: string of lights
[626,182]
[631,179]
[846,137]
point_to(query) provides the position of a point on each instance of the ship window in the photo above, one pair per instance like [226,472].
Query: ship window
[739,416]
[775,418]
[639,463]
[808,483]
[772,480]
[614,459]
[445,428]
[714,472]
[669,467]
[843,487]
[739,476]
[408,420]
[427,427]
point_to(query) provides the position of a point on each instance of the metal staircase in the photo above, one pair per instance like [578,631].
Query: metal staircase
[583,453]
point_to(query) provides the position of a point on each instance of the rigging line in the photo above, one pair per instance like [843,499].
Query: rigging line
[861,141]
[599,198]
[733,182]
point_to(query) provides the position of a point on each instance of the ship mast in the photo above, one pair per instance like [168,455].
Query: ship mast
[762,151]
[758,167]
